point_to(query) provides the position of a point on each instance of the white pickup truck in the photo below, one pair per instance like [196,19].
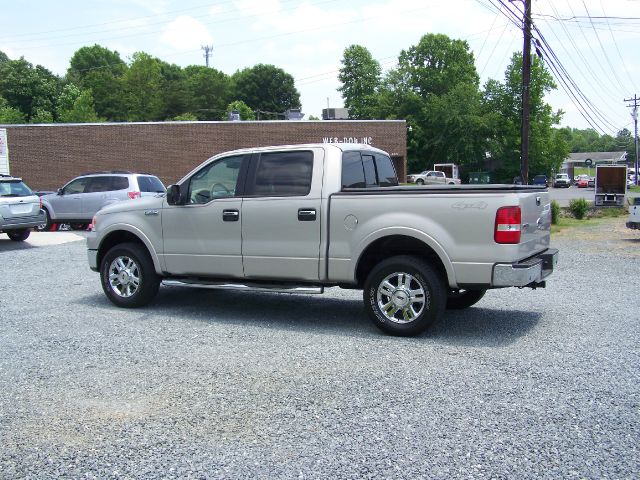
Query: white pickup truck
[305,217]
[432,177]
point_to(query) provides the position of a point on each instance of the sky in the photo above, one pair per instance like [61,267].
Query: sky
[593,41]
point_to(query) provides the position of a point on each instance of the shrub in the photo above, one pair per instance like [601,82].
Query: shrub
[555,212]
[578,207]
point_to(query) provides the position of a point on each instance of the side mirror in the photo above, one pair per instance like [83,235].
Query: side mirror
[173,195]
[59,192]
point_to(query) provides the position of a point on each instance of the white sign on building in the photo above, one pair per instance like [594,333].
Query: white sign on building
[4,152]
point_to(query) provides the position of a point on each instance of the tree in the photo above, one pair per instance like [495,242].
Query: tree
[29,89]
[360,78]
[142,84]
[502,102]
[239,106]
[209,92]
[185,117]
[82,110]
[101,70]
[267,89]
[9,114]
[175,95]
[436,89]
[3,57]
[313,118]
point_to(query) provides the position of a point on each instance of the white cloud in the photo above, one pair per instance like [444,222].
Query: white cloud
[186,33]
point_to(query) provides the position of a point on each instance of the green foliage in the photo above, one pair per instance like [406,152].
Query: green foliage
[82,110]
[100,70]
[41,116]
[589,140]
[502,107]
[209,92]
[555,212]
[3,57]
[360,77]
[175,95]
[267,89]
[435,88]
[578,207]
[245,112]
[31,90]
[185,117]
[313,118]
[9,114]
[142,84]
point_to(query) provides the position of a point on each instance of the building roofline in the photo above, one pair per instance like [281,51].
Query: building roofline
[192,122]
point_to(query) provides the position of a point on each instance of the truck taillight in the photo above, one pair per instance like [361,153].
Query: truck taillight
[508,225]
[40,202]
[133,195]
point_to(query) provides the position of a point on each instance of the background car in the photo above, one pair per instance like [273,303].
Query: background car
[540,180]
[19,208]
[561,180]
[583,181]
[79,200]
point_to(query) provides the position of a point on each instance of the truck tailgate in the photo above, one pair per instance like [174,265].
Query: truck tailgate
[536,222]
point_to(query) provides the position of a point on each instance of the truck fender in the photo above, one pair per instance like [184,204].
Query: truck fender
[118,227]
[407,232]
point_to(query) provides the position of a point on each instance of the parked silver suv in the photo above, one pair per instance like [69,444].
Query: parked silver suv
[19,208]
[79,200]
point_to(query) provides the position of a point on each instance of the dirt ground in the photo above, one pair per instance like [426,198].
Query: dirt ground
[608,235]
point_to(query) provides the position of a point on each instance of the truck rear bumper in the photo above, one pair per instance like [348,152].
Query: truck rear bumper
[528,272]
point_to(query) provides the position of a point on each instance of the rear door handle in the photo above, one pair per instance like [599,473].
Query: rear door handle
[306,214]
[230,215]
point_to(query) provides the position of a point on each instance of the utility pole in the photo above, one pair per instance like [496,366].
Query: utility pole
[526,84]
[208,50]
[634,114]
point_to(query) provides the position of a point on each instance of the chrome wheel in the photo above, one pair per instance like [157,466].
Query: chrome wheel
[401,297]
[124,276]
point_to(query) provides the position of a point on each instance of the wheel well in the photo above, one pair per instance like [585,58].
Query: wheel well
[115,238]
[396,245]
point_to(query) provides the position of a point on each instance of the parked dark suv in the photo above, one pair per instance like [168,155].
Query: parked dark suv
[540,180]
[79,200]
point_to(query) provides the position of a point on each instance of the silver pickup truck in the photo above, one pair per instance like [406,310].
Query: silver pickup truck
[305,217]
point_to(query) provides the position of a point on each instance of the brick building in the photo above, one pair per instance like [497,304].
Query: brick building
[47,156]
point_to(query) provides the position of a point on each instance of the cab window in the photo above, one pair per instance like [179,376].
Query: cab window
[283,174]
[216,180]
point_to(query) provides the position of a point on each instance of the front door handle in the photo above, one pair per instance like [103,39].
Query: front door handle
[230,215]
[306,214]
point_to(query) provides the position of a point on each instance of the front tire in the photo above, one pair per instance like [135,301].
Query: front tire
[461,299]
[128,276]
[403,295]
[43,227]
[19,235]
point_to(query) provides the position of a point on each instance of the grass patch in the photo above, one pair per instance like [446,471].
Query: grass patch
[593,218]
[635,188]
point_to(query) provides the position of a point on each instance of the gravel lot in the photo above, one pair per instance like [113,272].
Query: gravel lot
[204,384]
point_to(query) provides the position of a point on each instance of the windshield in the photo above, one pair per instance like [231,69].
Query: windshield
[14,188]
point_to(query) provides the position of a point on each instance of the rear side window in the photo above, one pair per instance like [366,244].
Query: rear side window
[150,184]
[98,184]
[284,174]
[361,170]
[386,173]
[352,171]
[119,183]
[369,170]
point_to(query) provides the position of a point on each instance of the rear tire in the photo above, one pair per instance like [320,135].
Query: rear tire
[461,299]
[128,276]
[79,226]
[419,182]
[403,295]
[19,235]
